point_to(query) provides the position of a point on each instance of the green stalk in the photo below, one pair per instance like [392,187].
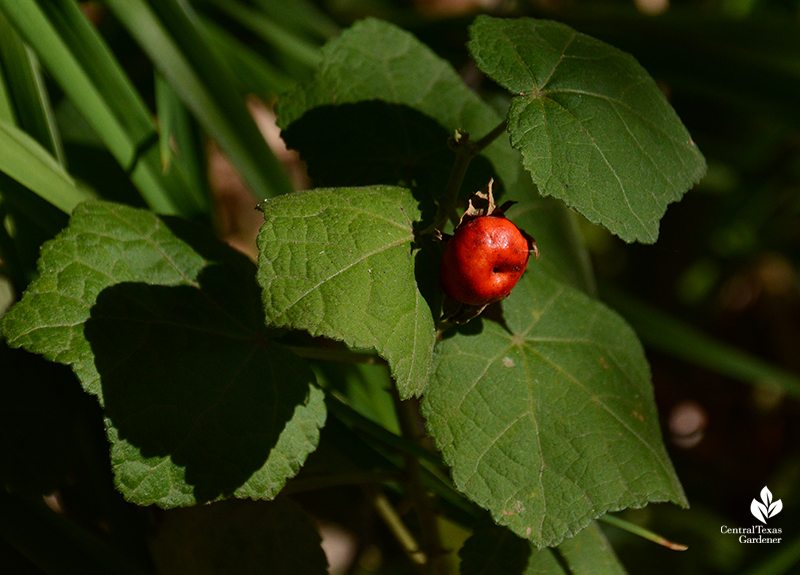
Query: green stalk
[340,355]
[642,532]
[313,483]
[465,149]
[351,418]
[679,339]
[408,415]
[395,524]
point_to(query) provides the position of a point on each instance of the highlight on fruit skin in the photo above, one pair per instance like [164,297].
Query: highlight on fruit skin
[486,255]
[484,260]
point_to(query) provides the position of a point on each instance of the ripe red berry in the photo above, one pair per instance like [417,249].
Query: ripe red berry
[484,260]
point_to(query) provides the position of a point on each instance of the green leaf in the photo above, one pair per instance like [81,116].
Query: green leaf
[162,323]
[590,553]
[240,537]
[558,238]
[706,54]
[172,35]
[342,147]
[382,67]
[27,162]
[493,549]
[375,60]
[78,59]
[29,98]
[29,221]
[593,128]
[682,340]
[549,422]
[340,263]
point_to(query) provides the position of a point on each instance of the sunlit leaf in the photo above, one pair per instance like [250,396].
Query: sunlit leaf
[24,160]
[593,128]
[340,263]
[374,70]
[550,421]
[163,324]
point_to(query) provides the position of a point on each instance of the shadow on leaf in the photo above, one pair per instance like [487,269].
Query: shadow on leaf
[494,548]
[183,379]
[378,143]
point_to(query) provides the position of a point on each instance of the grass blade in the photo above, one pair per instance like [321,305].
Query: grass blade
[301,15]
[178,129]
[255,74]
[75,55]
[295,46]
[683,341]
[28,101]
[27,162]
[170,33]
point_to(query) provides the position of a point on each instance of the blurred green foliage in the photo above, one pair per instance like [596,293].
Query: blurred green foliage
[716,301]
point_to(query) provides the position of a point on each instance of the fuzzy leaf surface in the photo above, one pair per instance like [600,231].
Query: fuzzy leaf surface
[593,127]
[551,422]
[349,124]
[340,263]
[162,323]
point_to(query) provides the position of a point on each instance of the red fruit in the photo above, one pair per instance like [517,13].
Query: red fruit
[484,260]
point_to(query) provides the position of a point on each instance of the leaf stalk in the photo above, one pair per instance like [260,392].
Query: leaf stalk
[340,355]
[642,532]
[408,414]
[395,524]
[466,149]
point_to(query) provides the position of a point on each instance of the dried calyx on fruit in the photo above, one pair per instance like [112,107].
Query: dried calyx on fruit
[484,258]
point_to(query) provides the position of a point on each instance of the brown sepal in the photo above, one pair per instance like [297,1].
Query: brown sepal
[482,204]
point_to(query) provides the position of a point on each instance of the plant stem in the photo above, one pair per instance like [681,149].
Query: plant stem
[392,520]
[408,412]
[313,483]
[341,355]
[487,140]
[642,532]
[432,477]
[465,150]
[350,417]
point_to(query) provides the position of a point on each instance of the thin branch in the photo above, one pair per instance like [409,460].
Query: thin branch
[340,355]
[489,138]
[395,524]
[407,412]
[465,150]
[642,532]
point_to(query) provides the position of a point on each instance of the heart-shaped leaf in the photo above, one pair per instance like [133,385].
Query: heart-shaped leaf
[163,324]
[593,127]
[550,422]
[324,118]
[340,263]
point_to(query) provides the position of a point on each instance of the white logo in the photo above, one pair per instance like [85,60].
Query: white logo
[767,509]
